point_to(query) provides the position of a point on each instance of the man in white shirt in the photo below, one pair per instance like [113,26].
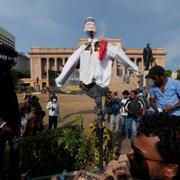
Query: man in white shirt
[124,113]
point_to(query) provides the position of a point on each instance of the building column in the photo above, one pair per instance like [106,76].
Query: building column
[135,61]
[55,64]
[123,73]
[31,68]
[47,67]
[141,65]
[40,69]
[63,61]
[114,69]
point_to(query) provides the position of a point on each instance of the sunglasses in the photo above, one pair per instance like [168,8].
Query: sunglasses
[139,156]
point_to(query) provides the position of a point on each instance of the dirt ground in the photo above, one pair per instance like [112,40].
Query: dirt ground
[70,107]
[73,105]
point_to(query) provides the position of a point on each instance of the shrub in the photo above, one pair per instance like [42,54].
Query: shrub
[52,151]
[55,150]
[73,89]
[108,145]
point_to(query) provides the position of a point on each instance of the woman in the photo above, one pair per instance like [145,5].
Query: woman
[53,108]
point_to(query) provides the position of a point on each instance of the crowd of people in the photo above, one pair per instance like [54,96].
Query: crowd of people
[29,122]
[31,114]
[124,114]
[155,145]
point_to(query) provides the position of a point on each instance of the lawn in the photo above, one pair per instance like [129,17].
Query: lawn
[70,107]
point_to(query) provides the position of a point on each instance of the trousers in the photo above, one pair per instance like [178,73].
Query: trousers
[96,92]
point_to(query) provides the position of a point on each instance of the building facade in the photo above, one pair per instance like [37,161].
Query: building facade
[7,38]
[47,63]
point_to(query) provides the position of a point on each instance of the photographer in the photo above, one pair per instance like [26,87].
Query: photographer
[53,108]
[35,117]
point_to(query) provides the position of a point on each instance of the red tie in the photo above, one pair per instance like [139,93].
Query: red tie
[102,49]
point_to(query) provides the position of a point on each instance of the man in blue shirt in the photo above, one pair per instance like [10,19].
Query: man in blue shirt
[164,92]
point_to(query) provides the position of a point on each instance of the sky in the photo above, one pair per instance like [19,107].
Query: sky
[60,23]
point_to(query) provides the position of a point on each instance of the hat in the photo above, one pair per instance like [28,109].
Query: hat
[89,25]
[156,70]
[89,19]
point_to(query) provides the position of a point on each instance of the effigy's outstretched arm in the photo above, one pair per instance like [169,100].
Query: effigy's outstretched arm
[118,54]
[69,66]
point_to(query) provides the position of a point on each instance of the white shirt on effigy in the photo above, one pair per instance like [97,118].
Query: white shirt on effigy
[92,68]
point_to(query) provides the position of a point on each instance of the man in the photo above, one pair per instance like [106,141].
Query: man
[124,114]
[115,116]
[107,106]
[147,56]
[155,151]
[135,109]
[164,93]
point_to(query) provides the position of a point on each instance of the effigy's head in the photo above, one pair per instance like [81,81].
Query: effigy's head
[90,26]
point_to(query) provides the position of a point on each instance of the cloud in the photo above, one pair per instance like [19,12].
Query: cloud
[48,23]
[172,48]
[173,53]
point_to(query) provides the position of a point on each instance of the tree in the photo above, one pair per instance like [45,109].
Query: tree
[25,74]
[16,74]
[168,73]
